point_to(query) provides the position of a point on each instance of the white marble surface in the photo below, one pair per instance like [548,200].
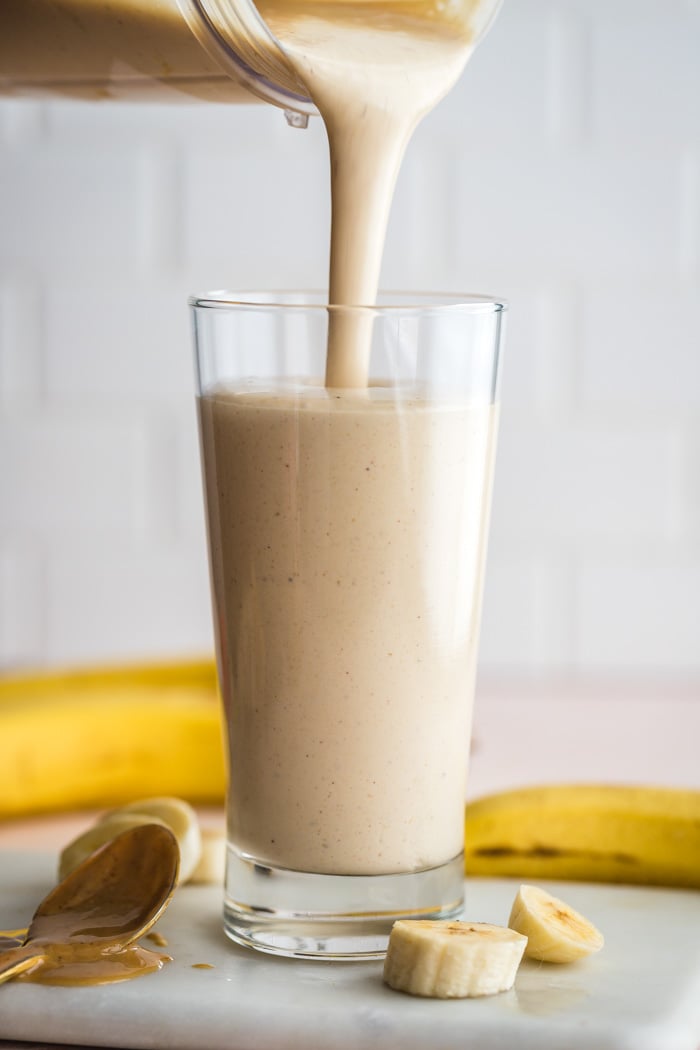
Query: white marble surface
[641,993]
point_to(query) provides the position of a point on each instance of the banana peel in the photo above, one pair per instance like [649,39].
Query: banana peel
[87,739]
[587,832]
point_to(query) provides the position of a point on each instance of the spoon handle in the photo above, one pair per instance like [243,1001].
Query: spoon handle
[16,960]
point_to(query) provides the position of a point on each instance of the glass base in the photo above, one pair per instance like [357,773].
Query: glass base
[302,915]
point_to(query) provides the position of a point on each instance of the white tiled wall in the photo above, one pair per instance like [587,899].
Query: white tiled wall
[563,173]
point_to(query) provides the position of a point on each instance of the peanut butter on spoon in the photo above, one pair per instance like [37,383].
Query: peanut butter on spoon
[86,928]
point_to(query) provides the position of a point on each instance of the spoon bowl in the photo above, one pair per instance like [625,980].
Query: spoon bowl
[109,901]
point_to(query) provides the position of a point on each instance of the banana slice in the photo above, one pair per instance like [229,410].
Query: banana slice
[104,831]
[179,816]
[555,932]
[452,960]
[212,863]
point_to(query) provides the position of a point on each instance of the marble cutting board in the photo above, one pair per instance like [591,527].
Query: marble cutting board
[641,993]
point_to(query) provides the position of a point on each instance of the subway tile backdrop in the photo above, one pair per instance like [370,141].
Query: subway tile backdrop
[562,173]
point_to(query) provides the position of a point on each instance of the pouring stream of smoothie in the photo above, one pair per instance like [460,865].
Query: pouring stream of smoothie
[373,72]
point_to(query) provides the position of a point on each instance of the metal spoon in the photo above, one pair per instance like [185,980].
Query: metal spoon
[105,904]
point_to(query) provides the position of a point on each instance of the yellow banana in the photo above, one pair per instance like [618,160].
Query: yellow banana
[104,738]
[54,684]
[593,833]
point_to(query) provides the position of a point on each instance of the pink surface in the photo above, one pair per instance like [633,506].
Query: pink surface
[615,732]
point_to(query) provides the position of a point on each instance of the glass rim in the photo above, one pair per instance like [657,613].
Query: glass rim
[414,302]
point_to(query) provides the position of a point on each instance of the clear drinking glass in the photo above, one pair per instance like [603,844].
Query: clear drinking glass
[347,539]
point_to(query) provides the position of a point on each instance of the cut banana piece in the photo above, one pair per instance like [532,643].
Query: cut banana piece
[104,831]
[452,960]
[212,863]
[555,932]
[180,817]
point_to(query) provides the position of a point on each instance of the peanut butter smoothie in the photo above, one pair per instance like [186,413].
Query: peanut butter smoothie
[348,653]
